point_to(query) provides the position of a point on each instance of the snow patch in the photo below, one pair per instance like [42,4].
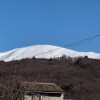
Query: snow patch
[39,51]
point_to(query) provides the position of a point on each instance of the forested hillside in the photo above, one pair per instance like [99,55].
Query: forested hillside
[79,77]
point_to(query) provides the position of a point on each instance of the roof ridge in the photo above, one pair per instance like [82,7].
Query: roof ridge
[39,83]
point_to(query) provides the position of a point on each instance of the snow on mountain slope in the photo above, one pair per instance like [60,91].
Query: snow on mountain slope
[39,52]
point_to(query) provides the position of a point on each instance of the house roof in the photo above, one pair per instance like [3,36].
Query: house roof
[40,87]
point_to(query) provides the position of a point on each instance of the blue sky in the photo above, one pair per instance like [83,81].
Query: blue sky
[55,22]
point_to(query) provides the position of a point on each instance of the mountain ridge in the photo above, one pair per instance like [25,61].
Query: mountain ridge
[44,51]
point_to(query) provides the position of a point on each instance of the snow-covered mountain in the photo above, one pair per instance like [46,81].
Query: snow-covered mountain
[44,51]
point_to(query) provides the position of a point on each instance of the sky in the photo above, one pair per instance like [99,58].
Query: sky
[55,22]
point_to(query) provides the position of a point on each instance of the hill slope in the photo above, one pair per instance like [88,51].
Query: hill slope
[83,74]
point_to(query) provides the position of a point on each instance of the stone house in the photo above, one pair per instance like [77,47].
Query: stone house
[41,91]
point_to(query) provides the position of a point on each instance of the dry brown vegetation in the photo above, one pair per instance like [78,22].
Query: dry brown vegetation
[80,77]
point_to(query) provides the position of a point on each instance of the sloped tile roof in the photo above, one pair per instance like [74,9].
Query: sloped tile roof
[40,87]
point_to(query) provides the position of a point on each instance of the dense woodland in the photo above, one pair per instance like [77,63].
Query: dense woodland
[79,77]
